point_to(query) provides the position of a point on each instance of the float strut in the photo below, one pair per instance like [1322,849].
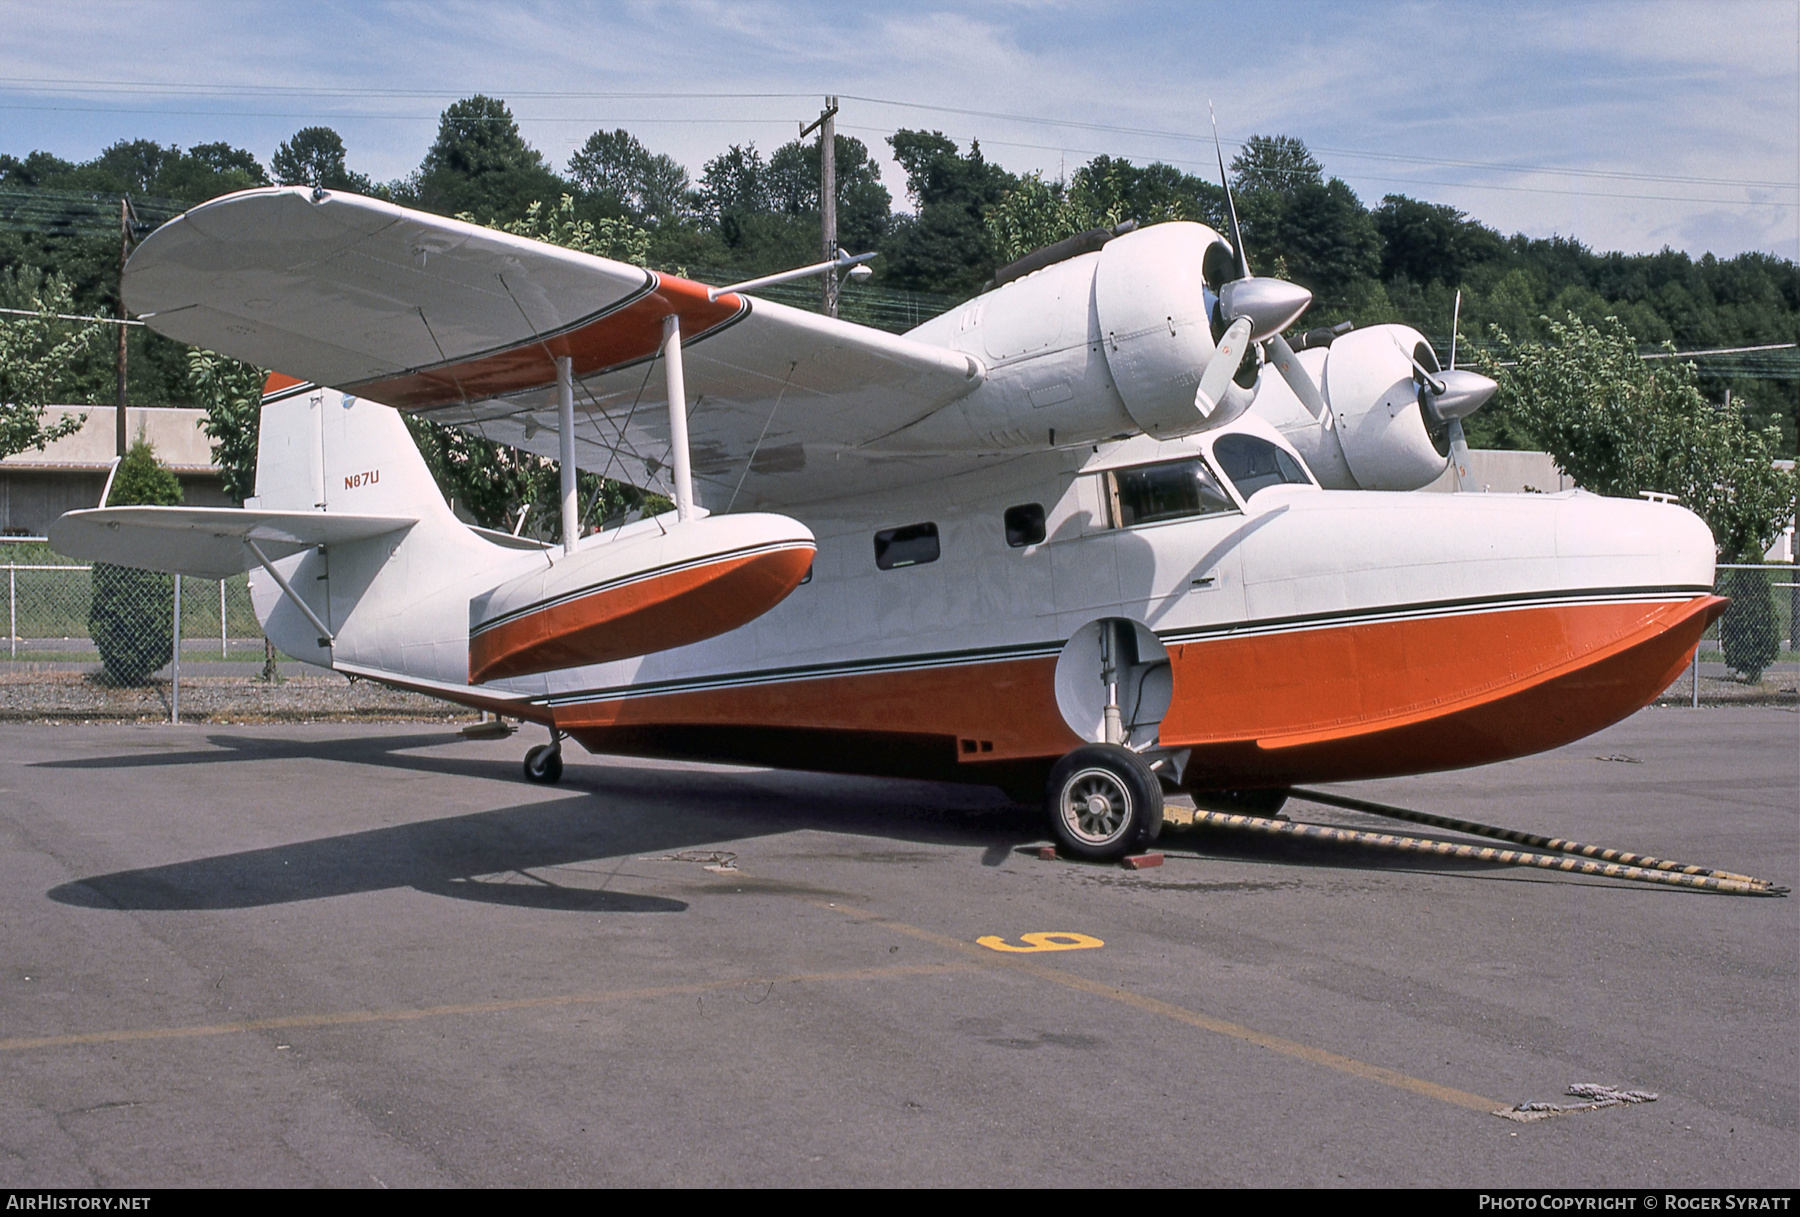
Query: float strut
[681,470]
[565,442]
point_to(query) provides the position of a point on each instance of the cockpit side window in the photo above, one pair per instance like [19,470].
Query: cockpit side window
[1173,490]
[1254,464]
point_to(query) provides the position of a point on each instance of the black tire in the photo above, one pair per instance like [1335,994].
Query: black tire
[1103,802]
[1242,802]
[544,764]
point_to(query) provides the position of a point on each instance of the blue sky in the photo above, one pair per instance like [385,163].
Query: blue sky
[1625,125]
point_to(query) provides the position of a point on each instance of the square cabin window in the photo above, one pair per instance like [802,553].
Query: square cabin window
[914,545]
[1025,525]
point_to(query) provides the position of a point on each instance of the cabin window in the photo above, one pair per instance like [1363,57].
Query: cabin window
[1024,525]
[1172,491]
[1255,464]
[914,545]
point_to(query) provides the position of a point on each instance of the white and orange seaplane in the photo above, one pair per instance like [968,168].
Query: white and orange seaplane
[1098,532]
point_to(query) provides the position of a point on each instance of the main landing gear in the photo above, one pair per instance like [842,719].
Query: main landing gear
[543,764]
[1104,802]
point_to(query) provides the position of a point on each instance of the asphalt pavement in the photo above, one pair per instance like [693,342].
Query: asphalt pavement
[353,955]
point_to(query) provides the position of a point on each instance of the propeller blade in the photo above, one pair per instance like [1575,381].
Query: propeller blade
[1237,238]
[1222,366]
[1288,364]
[1459,456]
[1455,322]
[1433,382]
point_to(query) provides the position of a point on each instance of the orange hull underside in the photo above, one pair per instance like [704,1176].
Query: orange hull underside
[1329,703]
[639,618]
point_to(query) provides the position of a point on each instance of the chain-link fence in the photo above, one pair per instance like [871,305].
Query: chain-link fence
[60,611]
[1749,654]
[115,642]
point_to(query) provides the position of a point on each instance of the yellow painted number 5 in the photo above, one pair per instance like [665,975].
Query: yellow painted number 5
[1041,942]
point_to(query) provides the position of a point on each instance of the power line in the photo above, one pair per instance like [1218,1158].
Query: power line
[174,90]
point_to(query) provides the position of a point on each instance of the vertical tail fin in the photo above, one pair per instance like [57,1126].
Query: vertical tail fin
[322,450]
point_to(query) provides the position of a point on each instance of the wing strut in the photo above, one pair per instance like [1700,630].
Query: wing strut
[678,421]
[565,438]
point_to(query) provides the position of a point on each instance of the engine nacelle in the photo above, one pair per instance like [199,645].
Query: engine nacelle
[1105,344]
[1375,434]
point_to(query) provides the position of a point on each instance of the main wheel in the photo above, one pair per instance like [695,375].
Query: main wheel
[544,764]
[1104,802]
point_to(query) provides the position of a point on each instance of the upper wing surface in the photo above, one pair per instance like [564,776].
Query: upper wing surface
[464,323]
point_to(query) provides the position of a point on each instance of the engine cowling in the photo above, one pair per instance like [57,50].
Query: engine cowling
[1375,434]
[1101,345]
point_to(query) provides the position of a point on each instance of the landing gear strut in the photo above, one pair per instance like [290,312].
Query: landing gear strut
[543,764]
[1104,802]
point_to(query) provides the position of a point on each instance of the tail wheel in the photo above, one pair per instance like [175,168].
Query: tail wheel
[1104,802]
[544,764]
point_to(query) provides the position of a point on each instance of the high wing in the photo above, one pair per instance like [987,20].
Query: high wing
[463,324]
[206,542]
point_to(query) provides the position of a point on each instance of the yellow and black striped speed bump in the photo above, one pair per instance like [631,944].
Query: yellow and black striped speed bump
[1646,870]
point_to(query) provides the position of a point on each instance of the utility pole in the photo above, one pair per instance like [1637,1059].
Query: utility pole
[124,253]
[827,129]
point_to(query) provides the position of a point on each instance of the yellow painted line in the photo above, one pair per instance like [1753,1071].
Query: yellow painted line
[351,1017]
[1180,1014]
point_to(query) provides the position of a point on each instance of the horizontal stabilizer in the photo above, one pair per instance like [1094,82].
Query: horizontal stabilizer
[206,542]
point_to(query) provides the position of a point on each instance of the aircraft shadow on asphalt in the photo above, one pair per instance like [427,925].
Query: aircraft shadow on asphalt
[607,811]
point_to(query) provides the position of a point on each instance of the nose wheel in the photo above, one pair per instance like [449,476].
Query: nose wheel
[1104,802]
[543,764]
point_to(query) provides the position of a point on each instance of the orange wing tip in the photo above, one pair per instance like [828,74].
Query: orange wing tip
[278,381]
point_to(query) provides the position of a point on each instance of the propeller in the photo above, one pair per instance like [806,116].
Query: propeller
[1448,397]
[1255,311]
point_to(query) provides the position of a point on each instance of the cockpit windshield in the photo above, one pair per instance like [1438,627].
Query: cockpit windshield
[1172,490]
[1255,464]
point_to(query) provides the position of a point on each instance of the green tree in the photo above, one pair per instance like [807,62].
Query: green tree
[1619,424]
[1031,215]
[1300,226]
[945,246]
[481,164]
[1113,189]
[615,170]
[1749,632]
[35,354]
[1275,162]
[231,394]
[1430,242]
[618,239]
[130,613]
[863,203]
[733,186]
[315,157]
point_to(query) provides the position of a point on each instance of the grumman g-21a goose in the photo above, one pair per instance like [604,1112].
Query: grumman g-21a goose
[1099,531]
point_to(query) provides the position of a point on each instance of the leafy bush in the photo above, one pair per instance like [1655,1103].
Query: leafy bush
[1749,632]
[130,612]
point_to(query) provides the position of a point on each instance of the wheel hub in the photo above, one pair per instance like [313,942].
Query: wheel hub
[1096,806]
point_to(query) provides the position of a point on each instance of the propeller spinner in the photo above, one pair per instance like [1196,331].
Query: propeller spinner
[1448,397]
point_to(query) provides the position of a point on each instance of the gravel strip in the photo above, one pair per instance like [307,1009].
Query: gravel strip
[71,696]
